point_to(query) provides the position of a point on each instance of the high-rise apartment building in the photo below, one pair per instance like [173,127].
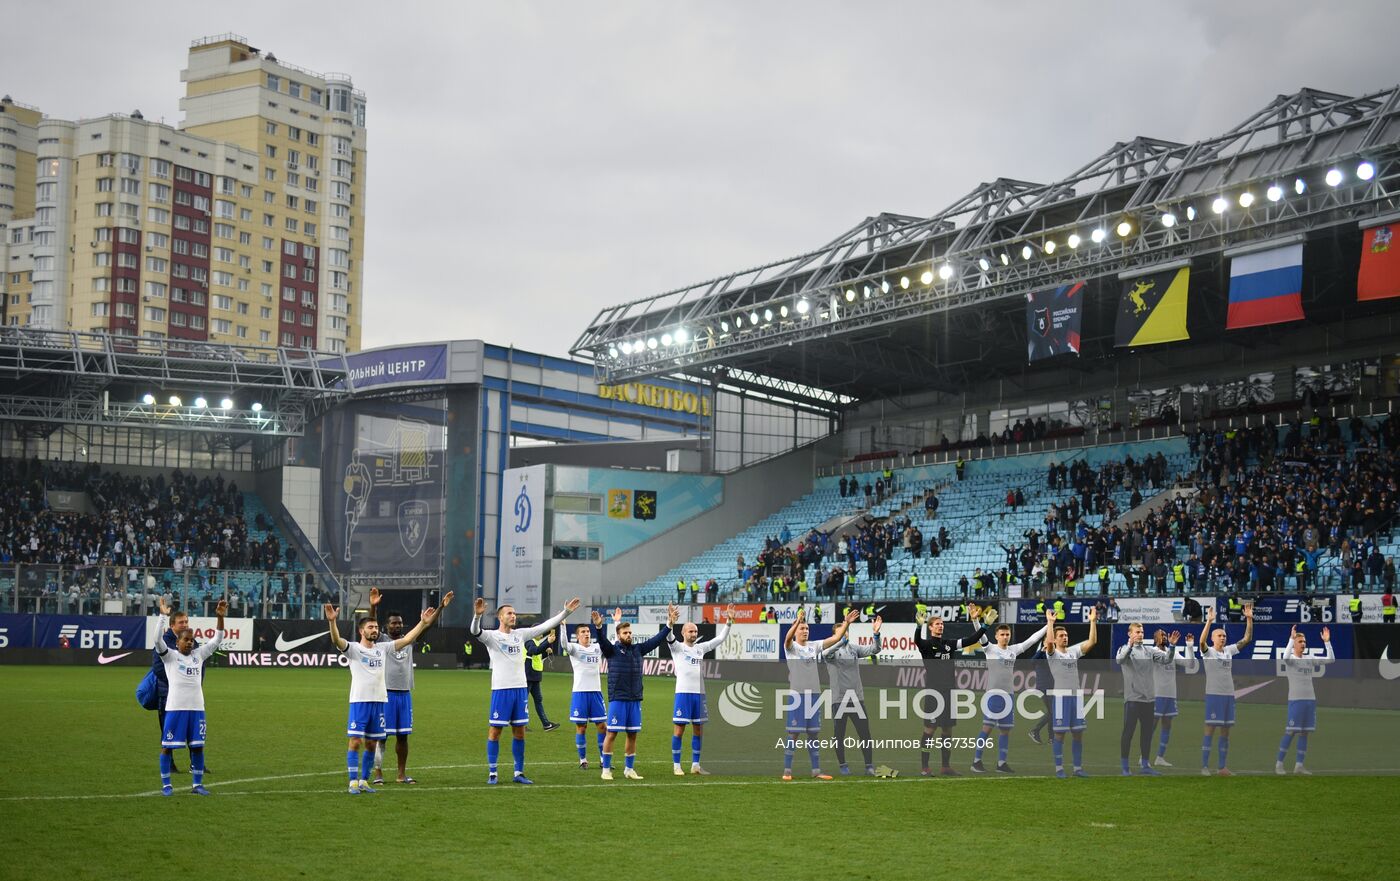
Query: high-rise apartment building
[245,225]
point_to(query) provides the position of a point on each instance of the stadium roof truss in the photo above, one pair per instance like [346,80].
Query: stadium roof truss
[992,243]
[64,377]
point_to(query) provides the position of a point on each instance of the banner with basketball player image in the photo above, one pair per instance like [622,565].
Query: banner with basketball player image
[382,486]
[1052,321]
[1152,308]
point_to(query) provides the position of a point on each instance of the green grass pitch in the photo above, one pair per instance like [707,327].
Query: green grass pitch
[78,798]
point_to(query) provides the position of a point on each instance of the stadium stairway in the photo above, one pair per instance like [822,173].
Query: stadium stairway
[973,510]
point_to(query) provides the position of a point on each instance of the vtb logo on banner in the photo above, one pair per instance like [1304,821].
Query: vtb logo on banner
[413,525]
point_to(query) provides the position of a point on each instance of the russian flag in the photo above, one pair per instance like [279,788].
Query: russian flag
[1266,287]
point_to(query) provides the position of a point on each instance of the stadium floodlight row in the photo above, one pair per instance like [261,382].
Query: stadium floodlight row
[98,379]
[1305,162]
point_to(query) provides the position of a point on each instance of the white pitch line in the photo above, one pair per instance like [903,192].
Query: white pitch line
[625,785]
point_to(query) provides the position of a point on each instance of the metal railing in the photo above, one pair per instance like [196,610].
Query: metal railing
[116,590]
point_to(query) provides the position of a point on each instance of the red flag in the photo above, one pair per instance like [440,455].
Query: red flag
[1380,264]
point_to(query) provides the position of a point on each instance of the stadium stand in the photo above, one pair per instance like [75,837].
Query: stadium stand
[1255,504]
[198,538]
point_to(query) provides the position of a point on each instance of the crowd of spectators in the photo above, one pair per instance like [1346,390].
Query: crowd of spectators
[182,530]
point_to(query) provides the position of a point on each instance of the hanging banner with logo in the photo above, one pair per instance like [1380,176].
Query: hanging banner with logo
[1052,321]
[1379,277]
[522,539]
[1152,308]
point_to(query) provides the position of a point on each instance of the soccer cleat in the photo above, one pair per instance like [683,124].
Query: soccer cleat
[870,771]
[1125,773]
[676,769]
[978,767]
[1147,771]
[1224,772]
[925,772]
[583,764]
[492,780]
[1161,762]
[550,726]
[818,775]
[949,772]
[1299,769]
[1035,736]
[365,787]
[1205,772]
[167,790]
[1004,768]
[521,779]
[607,774]
[631,774]
[1060,773]
[354,789]
[1278,768]
[198,790]
[697,770]
[1079,772]
[787,775]
[845,770]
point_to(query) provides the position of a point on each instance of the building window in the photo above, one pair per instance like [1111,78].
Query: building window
[289,293]
[155,314]
[223,302]
[160,168]
[157,265]
[274,84]
[221,325]
[158,240]
[155,289]
[100,310]
[41,194]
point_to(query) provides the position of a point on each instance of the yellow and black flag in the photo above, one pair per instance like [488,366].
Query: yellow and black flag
[1152,308]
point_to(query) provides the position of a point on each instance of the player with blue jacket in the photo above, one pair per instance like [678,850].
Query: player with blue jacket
[625,684]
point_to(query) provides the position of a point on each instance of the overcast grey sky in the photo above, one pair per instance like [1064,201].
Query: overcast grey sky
[530,163]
